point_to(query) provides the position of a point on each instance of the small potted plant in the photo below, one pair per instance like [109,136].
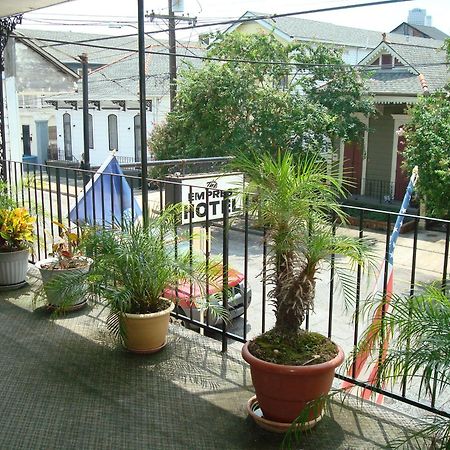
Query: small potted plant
[16,237]
[133,266]
[296,199]
[66,257]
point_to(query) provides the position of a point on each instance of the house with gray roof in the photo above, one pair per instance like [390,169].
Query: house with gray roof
[397,60]
[402,72]
[424,31]
[43,70]
[114,104]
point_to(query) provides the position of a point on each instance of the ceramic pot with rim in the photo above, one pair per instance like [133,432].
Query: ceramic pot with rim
[48,270]
[13,269]
[283,391]
[146,333]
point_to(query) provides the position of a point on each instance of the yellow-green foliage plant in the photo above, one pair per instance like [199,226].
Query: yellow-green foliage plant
[16,229]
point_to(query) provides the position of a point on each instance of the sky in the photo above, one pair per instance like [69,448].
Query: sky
[381,18]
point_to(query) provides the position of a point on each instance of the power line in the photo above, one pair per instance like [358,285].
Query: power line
[260,17]
[298,13]
[231,60]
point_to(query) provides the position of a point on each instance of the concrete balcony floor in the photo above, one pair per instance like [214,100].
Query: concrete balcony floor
[65,384]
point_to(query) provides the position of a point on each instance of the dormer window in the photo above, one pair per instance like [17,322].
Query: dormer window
[386,61]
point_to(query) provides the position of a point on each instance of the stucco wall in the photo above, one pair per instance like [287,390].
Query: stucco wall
[125,127]
[36,76]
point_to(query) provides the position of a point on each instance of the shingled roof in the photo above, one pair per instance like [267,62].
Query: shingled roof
[68,52]
[427,60]
[429,32]
[295,28]
[119,80]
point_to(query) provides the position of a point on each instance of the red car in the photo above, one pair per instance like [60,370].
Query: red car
[191,297]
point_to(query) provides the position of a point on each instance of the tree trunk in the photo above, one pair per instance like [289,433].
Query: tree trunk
[295,297]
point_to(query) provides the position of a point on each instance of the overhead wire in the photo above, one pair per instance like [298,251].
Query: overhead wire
[262,17]
[231,60]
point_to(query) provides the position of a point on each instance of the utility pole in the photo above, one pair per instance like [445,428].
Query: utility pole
[172,46]
[172,58]
[143,111]
[86,156]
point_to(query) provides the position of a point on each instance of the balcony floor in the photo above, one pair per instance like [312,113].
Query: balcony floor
[65,384]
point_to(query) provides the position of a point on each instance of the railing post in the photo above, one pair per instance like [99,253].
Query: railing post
[225,244]
[58,195]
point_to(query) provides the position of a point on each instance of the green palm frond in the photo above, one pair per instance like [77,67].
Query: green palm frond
[296,198]
[420,347]
[134,265]
[418,351]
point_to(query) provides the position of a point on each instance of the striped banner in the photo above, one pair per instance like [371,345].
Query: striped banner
[361,361]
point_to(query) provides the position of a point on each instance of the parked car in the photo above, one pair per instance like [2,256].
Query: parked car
[190,298]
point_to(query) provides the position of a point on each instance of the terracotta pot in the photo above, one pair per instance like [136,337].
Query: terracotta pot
[146,333]
[54,298]
[13,269]
[283,391]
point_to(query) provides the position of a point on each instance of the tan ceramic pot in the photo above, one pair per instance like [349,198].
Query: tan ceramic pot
[146,333]
[283,391]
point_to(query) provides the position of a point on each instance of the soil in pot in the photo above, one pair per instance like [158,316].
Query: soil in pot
[300,370]
[302,349]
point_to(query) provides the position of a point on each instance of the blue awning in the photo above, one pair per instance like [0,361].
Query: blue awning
[107,198]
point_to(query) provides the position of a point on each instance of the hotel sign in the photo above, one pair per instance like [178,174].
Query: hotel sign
[204,197]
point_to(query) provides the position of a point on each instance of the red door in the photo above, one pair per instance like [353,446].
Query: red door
[353,166]
[401,178]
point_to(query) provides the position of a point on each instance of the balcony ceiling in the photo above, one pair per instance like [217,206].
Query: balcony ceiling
[11,7]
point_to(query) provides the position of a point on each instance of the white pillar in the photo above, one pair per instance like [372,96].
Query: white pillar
[365,120]
[14,149]
[399,119]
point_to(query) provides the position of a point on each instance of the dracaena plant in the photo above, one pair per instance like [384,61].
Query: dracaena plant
[296,198]
[16,229]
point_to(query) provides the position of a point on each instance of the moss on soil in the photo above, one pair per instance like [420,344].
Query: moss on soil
[153,307]
[300,349]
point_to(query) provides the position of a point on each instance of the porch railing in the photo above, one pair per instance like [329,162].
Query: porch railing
[50,192]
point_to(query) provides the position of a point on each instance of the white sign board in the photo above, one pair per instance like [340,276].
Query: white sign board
[203,197]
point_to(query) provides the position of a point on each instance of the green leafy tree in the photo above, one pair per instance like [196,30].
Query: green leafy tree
[262,95]
[428,147]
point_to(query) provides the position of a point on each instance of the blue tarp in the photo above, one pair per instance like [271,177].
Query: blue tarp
[111,195]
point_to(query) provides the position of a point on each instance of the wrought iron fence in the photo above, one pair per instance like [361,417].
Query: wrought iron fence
[381,190]
[49,192]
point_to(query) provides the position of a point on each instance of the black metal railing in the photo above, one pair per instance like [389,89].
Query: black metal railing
[381,191]
[49,192]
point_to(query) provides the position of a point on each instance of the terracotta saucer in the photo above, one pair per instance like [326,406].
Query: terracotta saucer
[277,427]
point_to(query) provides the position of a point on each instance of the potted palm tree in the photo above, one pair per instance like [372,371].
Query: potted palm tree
[16,237]
[132,269]
[296,199]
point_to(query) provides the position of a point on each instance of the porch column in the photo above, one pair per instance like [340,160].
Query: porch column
[364,158]
[7,25]
[399,119]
